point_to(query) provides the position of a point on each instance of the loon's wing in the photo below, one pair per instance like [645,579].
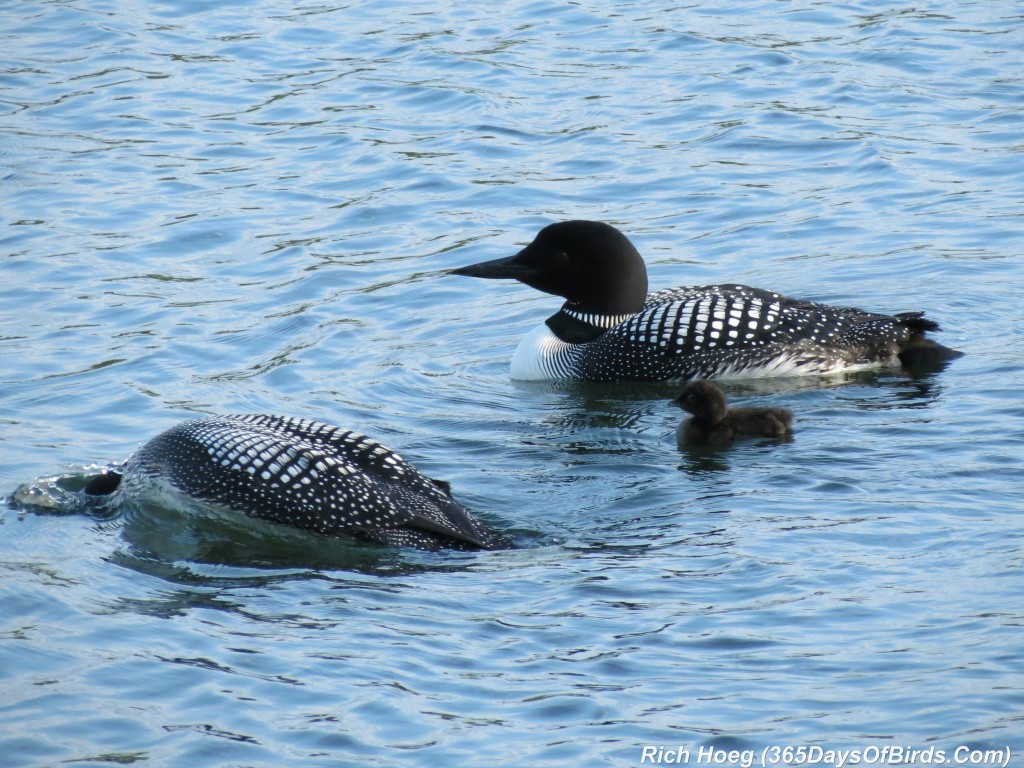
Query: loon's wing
[406,497]
[700,317]
[721,330]
[307,474]
[425,504]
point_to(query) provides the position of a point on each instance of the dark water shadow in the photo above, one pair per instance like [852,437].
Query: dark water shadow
[924,381]
[704,460]
[582,409]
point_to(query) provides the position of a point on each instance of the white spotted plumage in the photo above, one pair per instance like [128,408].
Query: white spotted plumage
[305,474]
[717,331]
[610,329]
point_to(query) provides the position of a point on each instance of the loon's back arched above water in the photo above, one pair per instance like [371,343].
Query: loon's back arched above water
[300,473]
[610,329]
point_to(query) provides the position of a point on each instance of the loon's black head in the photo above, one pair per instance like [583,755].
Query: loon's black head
[704,400]
[592,264]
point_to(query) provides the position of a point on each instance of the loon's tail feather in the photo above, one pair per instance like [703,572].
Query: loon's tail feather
[917,322]
[919,352]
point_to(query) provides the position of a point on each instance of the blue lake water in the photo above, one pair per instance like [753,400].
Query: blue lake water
[214,207]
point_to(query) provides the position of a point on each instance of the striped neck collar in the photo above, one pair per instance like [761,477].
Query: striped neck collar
[577,327]
[594,318]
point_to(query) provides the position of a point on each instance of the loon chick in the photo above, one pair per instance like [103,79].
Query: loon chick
[610,329]
[715,424]
[301,473]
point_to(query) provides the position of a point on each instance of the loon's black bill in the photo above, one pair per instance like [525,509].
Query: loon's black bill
[507,268]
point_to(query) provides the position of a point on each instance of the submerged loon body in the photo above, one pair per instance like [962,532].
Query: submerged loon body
[300,473]
[610,329]
[713,423]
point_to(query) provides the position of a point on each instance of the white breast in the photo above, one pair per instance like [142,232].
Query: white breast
[542,356]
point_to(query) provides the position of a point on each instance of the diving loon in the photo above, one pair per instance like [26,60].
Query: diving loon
[610,329]
[301,473]
[713,423]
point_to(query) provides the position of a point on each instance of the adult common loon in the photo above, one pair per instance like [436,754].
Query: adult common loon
[713,423]
[301,473]
[610,329]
